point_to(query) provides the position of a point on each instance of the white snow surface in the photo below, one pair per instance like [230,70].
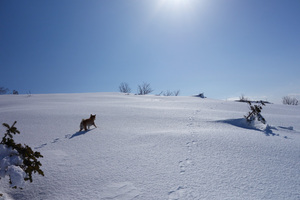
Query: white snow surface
[154,147]
[9,166]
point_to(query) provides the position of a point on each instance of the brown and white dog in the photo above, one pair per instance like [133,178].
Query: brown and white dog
[86,123]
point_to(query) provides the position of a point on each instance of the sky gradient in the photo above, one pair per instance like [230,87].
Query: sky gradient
[222,48]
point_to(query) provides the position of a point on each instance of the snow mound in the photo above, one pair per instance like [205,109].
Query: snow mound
[253,125]
[9,166]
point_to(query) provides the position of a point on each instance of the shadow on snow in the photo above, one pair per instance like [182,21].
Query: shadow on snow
[79,133]
[242,123]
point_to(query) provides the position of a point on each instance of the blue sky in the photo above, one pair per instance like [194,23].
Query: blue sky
[223,48]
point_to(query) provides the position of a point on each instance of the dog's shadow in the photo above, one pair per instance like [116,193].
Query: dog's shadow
[79,133]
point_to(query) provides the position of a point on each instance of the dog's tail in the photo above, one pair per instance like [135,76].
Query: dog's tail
[81,125]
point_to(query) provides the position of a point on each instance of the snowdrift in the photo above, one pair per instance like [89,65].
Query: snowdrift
[153,147]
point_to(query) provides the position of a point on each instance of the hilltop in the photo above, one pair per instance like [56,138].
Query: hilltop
[154,147]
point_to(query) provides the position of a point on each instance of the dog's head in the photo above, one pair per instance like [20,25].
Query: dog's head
[93,117]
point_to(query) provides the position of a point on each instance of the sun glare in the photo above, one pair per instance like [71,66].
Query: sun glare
[176,4]
[175,11]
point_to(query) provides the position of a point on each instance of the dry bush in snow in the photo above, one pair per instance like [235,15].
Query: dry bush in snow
[289,100]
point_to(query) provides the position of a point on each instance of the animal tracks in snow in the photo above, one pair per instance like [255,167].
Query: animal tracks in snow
[183,165]
[191,145]
[177,194]
[119,191]
[55,140]
[42,145]
[180,193]
[186,164]
[67,136]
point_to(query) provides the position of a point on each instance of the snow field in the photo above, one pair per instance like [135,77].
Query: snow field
[149,147]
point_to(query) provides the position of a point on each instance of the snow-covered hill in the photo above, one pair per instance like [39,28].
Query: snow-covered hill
[152,147]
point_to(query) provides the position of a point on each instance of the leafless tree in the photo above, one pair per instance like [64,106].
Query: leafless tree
[176,92]
[124,88]
[160,93]
[144,89]
[3,90]
[168,93]
[289,100]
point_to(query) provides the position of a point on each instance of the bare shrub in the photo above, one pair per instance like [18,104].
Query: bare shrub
[289,100]
[243,98]
[168,93]
[176,92]
[3,90]
[144,89]
[160,93]
[124,88]
[255,112]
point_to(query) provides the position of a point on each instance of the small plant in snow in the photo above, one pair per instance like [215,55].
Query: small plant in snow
[243,98]
[255,112]
[17,161]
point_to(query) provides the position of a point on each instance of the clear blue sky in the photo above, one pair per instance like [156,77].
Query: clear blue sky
[223,48]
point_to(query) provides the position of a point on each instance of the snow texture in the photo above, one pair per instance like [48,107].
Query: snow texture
[9,166]
[154,147]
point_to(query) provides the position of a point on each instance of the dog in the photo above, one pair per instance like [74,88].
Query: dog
[86,123]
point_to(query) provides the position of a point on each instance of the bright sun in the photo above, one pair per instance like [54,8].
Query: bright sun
[175,4]
[175,9]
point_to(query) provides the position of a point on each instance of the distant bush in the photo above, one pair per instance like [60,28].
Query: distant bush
[169,93]
[176,92]
[3,90]
[243,98]
[289,100]
[255,112]
[143,89]
[15,92]
[246,100]
[17,161]
[124,88]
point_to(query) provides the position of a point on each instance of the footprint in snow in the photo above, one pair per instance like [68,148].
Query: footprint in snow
[190,124]
[41,146]
[181,193]
[56,140]
[181,167]
[184,164]
[120,191]
[190,145]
